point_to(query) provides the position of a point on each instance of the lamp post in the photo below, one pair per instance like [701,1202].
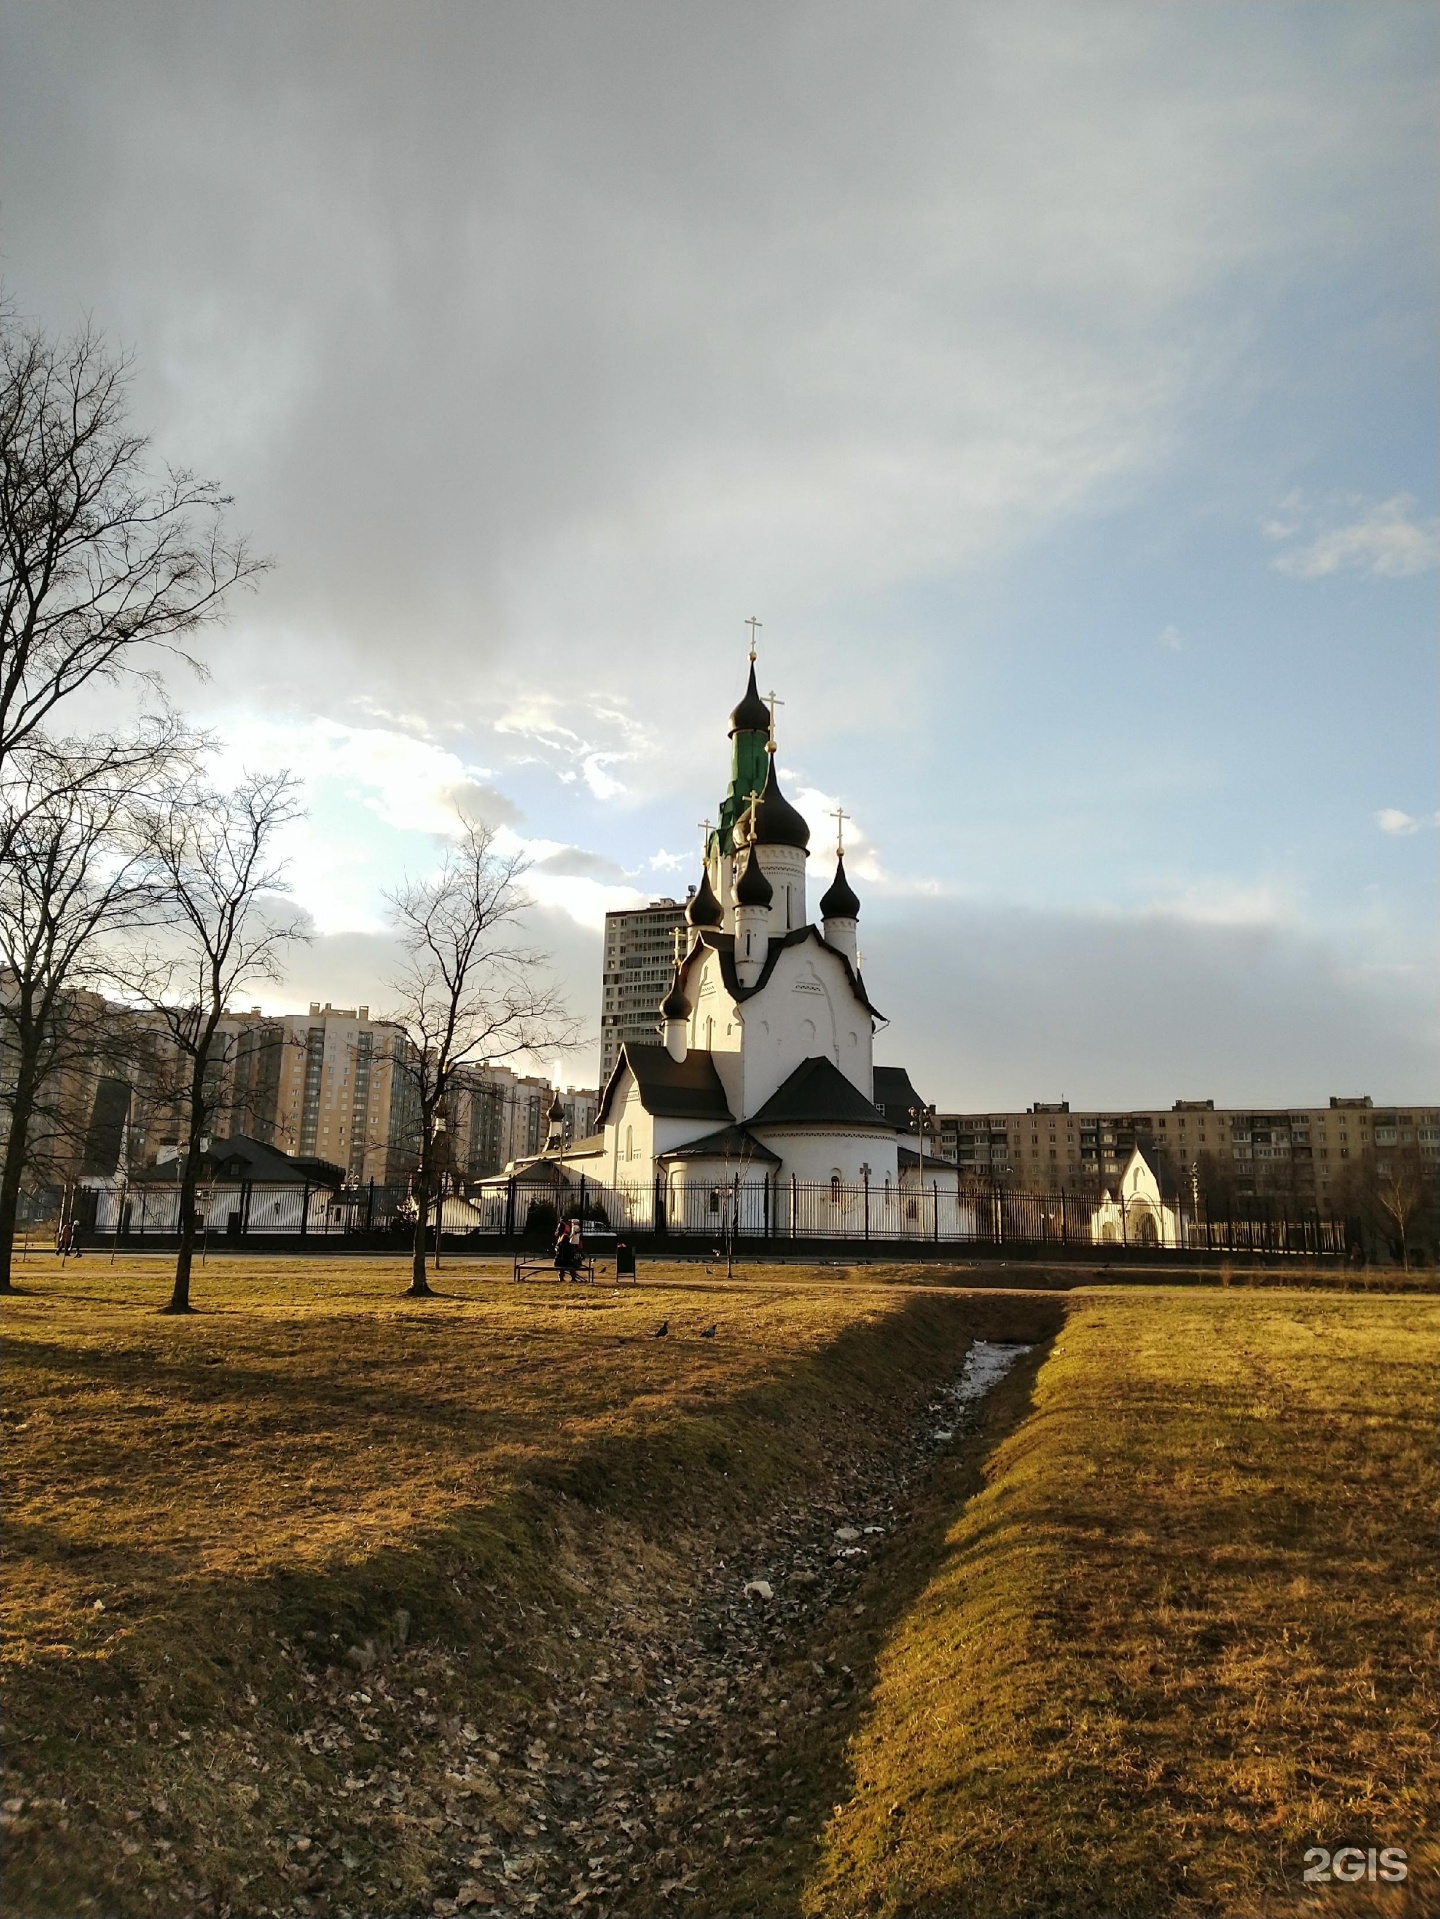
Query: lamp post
[437,1128]
[922,1115]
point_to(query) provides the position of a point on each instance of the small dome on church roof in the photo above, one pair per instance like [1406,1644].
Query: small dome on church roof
[840,902]
[776,821]
[752,715]
[675,1005]
[702,908]
[752,888]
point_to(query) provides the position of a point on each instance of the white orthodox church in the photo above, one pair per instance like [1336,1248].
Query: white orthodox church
[762,1071]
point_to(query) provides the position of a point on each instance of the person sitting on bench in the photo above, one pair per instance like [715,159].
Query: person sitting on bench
[569,1253]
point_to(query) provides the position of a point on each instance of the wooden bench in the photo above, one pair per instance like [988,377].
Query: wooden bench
[544,1267]
[596,1246]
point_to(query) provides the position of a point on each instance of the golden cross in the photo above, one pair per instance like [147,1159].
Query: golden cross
[754,799]
[676,936]
[704,839]
[840,816]
[775,701]
[753,625]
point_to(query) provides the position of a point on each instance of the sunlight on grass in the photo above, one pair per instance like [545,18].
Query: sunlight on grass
[1186,1632]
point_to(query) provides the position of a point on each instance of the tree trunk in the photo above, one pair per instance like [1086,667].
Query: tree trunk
[189,1180]
[21,1109]
[31,1022]
[419,1287]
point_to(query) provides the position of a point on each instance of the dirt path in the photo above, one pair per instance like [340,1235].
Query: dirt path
[689,1757]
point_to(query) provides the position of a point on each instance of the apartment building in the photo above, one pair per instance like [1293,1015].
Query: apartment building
[635,970]
[1295,1152]
[495,1116]
[581,1107]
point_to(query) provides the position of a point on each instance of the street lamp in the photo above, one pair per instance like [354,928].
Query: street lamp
[437,1127]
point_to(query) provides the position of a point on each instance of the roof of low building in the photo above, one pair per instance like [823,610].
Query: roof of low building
[731,1143]
[686,1088]
[242,1158]
[818,1093]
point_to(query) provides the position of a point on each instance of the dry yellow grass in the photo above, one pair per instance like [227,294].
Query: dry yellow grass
[1185,1633]
[203,1510]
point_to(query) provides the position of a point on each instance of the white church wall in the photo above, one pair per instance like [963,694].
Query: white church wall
[814,1156]
[629,1136]
[784,867]
[807,1009]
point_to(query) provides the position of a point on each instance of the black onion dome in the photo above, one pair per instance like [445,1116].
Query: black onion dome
[840,902]
[702,908]
[776,821]
[675,1005]
[752,715]
[752,888]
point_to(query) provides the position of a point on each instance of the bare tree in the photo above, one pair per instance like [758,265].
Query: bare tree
[73,875]
[466,991]
[1403,1196]
[101,563]
[213,864]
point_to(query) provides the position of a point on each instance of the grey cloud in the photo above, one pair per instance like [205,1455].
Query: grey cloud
[575,863]
[1004,1007]
[529,332]
[484,804]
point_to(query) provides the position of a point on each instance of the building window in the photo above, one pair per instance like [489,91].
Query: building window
[629,1142]
[834,1189]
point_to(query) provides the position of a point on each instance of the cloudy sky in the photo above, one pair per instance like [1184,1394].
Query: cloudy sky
[1056,383]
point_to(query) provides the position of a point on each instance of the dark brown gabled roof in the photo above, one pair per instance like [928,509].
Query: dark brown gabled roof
[895,1095]
[686,1088]
[818,1093]
[242,1158]
[731,1142]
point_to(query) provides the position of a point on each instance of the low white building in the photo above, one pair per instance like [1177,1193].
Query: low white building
[1136,1213]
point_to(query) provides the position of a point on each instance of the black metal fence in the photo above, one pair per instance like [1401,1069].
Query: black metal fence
[748,1210]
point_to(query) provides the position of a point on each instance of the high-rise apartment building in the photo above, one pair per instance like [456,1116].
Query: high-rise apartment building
[330,1084]
[1298,1152]
[639,955]
[495,1116]
[581,1106]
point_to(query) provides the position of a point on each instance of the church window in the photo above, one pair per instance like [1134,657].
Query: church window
[629,1142]
[834,1189]
[714,1199]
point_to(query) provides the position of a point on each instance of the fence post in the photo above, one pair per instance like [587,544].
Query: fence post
[305,1210]
[769,1217]
[370,1209]
[793,1190]
[867,1207]
[510,1207]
